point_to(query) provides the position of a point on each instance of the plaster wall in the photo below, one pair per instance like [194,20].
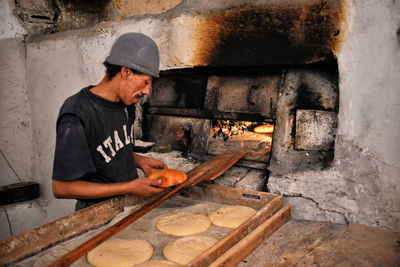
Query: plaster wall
[10,26]
[16,141]
[15,126]
[369,127]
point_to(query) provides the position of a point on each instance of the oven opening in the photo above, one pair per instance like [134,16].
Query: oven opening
[254,138]
[210,111]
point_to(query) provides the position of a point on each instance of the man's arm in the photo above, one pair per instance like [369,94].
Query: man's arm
[87,190]
[148,165]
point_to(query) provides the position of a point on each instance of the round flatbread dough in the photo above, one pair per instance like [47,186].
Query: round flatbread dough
[158,263]
[183,224]
[231,216]
[186,249]
[120,252]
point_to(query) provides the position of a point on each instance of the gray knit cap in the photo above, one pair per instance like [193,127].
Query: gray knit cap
[136,51]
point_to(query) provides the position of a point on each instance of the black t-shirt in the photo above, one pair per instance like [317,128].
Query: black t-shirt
[94,141]
[72,158]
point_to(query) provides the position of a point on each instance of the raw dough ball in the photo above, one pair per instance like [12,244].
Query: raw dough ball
[157,263]
[185,249]
[120,252]
[183,224]
[231,216]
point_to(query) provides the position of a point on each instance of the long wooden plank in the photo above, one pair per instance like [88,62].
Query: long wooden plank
[208,170]
[243,248]
[237,234]
[215,166]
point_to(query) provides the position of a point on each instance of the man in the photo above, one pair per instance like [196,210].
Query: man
[94,157]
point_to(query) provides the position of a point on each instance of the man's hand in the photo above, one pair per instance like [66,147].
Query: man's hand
[145,187]
[148,165]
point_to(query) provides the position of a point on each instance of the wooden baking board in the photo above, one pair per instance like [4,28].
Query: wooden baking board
[201,199]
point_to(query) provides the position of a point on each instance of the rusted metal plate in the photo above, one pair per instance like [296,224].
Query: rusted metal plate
[252,94]
[315,129]
[164,129]
[179,91]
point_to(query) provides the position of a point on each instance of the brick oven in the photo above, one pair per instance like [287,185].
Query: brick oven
[257,65]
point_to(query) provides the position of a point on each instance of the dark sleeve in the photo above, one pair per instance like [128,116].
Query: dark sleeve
[72,158]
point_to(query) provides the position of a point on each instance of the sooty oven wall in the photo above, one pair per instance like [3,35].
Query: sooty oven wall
[269,64]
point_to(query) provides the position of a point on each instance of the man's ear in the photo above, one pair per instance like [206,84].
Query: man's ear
[125,72]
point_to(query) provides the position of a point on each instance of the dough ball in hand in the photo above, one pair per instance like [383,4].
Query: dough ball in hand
[169,177]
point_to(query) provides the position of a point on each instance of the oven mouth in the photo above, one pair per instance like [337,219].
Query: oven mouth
[210,111]
[254,138]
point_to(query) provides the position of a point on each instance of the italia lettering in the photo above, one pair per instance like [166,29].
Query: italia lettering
[112,144]
[106,158]
[127,139]
[132,135]
[118,143]
[107,144]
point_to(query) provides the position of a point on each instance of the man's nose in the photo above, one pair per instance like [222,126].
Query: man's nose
[146,90]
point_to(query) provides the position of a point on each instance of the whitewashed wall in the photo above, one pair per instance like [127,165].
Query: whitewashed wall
[16,141]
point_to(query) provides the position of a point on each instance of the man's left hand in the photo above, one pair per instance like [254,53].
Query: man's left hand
[148,165]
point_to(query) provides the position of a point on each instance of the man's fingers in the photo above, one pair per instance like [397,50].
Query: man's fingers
[155,181]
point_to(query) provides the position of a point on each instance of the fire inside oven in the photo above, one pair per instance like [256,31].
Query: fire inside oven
[253,138]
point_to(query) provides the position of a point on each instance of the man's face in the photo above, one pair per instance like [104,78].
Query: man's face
[133,86]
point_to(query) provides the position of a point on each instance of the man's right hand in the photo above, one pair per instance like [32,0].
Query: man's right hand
[145,187]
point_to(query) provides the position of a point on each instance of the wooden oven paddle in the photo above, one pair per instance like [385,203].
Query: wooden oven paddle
[208,170]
